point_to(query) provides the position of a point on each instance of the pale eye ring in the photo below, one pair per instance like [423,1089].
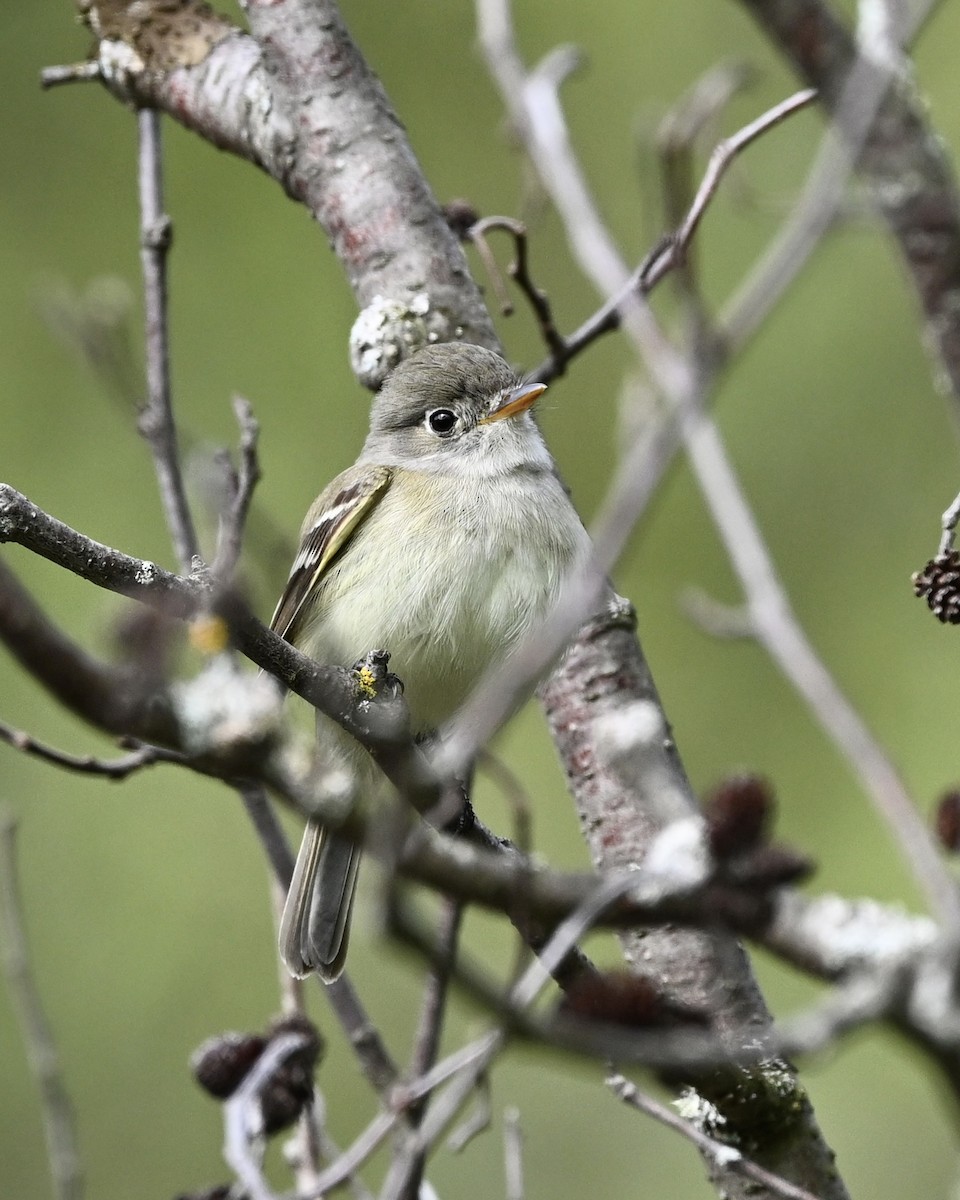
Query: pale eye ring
[442,421]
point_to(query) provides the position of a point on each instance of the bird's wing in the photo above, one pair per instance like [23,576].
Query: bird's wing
[335,514]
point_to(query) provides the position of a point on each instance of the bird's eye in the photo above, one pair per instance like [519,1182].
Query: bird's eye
[442,421]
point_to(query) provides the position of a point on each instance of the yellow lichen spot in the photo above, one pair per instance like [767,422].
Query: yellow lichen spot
[366,682]
[209,635]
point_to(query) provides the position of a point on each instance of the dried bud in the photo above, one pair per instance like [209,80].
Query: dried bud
[939,584]
[221,1063]
[460,215]
[291,1086]
[948,820]
[623,998]
[311,1053]
[281,1105]
[738,813]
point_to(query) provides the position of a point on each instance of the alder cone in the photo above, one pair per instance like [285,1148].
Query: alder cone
[939,584]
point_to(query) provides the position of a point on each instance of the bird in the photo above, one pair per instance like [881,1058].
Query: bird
[447,542]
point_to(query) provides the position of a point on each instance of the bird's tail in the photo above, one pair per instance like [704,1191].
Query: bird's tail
[315,925]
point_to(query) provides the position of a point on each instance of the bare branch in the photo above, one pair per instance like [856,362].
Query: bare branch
[353,1158]
[27,525]
[114,699]
[118,768]
[512,1154]
[728,1156]
[520,271]
[243,1117]
[883,125]
[721,158]
[537,114]
[426,1043]
[949,522]
[406,1170]
[477,235]
[58,1120]
[776,627]
[156,419]
[476,1122]
[82,72]
[242,484]
[672,249]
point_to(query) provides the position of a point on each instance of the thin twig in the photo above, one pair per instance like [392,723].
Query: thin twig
[243,1117]
[606,319]
[676,141]
[365,1039]
[477,234]
[57,1111]
[520,271]
[426,1042]
[822,196]
[269,830]
[86,764]
[719,1152]
[384,1123]
[82,72]
[948,524]
[355,1155]
[516,796]
[448,1103]
[156,420]
[671,249]
[242,484]
[512,1154]
[476,1122]
[406,1170]
[566,935]
[723,155]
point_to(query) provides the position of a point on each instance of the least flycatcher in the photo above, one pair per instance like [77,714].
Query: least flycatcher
[445,543]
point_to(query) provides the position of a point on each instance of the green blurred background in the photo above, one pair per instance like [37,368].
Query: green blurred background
[147,901]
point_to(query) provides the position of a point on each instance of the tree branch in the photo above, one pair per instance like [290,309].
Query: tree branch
[883,123]
[298,100]
[156,416]
[58,1118]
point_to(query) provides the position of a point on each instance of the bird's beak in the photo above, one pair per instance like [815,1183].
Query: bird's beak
[514,400]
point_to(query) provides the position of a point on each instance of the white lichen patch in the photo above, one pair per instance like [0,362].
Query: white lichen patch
[388,331]
[678,859]
[847,933]
[146,573]
[701,1114]
[635,726]
[225,708]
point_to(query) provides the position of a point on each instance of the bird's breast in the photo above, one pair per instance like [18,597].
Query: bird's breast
[448,577]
